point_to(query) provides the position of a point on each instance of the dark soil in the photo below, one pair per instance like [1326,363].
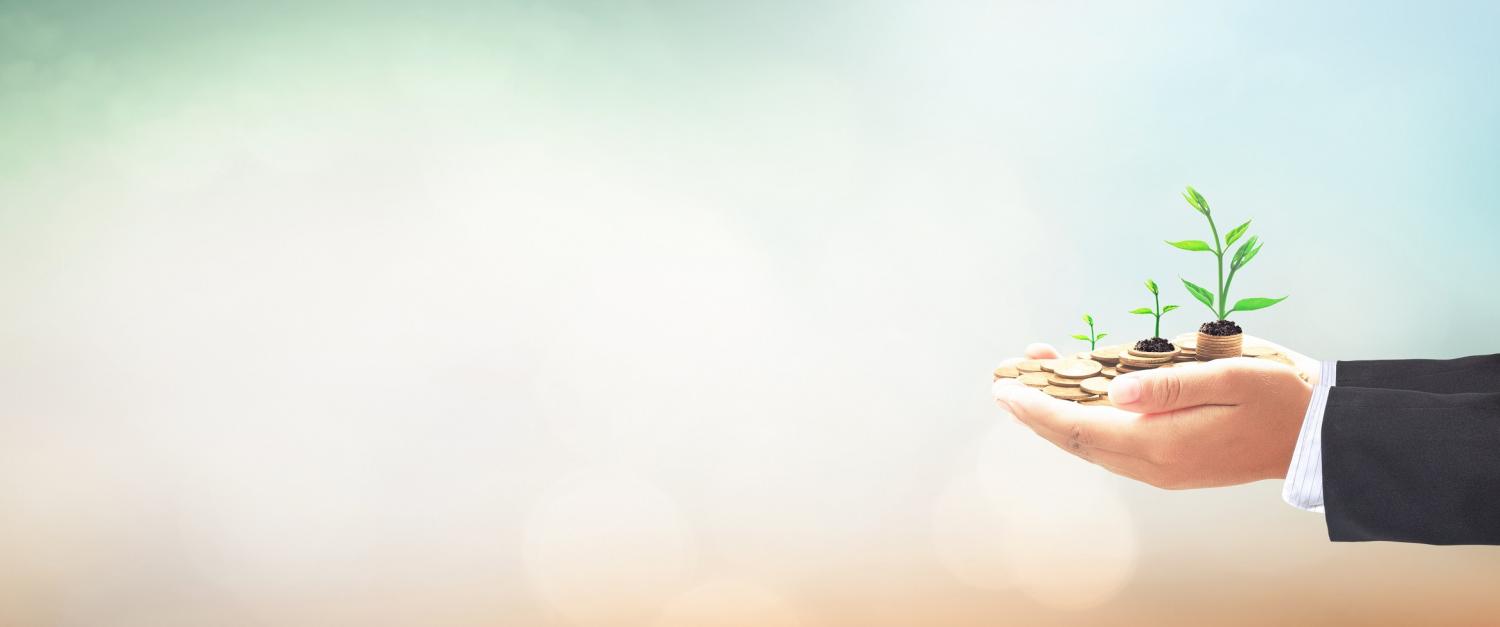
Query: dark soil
[1155,345]
[1221,328]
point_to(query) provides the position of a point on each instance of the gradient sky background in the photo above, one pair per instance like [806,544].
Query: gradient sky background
[373,315]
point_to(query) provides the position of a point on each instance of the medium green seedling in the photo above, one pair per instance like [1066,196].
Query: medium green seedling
[1091,338]
[1158,311]
[1242,256]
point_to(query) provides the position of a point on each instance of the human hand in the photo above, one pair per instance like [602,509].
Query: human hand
[1218,423]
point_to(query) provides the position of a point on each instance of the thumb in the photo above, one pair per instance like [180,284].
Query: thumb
[1167,389]
[1041,351]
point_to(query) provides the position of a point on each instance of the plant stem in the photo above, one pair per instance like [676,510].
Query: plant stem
[1158,314]
[1227,283]
[1219,254]
[1093,337]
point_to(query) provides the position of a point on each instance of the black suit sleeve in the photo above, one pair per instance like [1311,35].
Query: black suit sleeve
[1411,466]
[1480,373]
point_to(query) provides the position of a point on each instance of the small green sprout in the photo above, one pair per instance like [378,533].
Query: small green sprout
[1155,294]
[1240,259]
[1091,338]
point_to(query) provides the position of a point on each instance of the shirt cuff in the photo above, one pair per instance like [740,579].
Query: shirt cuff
[1304,477]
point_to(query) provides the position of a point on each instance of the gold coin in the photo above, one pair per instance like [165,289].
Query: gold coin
[1049,364]
[1030,365]
[1097,402]
[1081,355]
[1142,362]
[1110,372]
[1067,394]
[1186,341]
[1152,355]
[1062,381]
[1208,354]
[1106,356]
[1217,347]
[1034,379]
[1258,351]
[1095,385]
[1006,372]
[1078,368]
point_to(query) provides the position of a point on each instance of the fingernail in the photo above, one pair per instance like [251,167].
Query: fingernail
[1124,390]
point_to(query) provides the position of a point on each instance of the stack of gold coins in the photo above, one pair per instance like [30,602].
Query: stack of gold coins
[1030,373]
[1187,348]
[1212,347]
[1110,357]
[1068,375]
[1099,387]
[1188,341]
[1133,360]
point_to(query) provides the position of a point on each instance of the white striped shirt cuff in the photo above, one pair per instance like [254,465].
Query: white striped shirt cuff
[1304,478]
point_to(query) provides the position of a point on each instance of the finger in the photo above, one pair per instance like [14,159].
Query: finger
[1073,427]
[1166,389]
[1308,365]
[1041,351]
[1137,465]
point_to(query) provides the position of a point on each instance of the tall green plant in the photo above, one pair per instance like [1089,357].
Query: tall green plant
[1156,295]
[1240,259]
[1091,338]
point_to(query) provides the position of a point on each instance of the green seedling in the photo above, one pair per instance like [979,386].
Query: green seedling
[1240,259]
[1156,295]
[1091,338]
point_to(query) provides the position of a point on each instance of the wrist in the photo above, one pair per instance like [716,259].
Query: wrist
[1289,430]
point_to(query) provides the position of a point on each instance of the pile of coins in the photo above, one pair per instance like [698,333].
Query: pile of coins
[1211,347]
[1188,343]
[1133,360]
[1079,380]
[1084,377]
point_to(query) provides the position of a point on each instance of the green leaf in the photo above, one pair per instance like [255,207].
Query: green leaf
[1197,200]
[1239,254]
[1151,285]
[1080,337]
[1168,308]
[1142,310]
[1235,233]
[1089,320]
[1194,245]
[1251,255]
[1204,296]
[1252,304]
[1246,253]
[1100,336]
[1189,200]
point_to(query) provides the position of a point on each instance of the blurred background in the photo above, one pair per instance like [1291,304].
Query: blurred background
[675,313]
